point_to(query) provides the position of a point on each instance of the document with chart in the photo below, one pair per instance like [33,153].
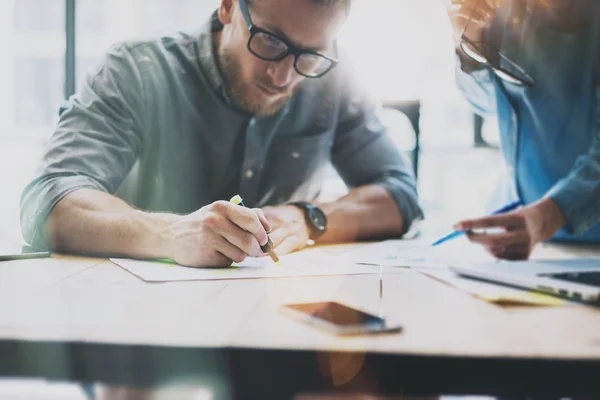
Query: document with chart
[304,263]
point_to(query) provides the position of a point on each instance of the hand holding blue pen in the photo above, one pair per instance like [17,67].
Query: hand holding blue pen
[507,208]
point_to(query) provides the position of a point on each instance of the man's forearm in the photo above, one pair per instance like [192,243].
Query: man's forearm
[367,212]
[92,222]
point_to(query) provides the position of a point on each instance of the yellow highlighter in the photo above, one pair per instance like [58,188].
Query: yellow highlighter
[267,248]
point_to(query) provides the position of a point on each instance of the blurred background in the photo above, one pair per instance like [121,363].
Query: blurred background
[402,50]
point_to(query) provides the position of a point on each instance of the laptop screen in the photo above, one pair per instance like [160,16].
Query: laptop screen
[591,278]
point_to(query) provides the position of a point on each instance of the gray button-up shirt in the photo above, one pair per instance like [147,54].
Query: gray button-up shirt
[153,124]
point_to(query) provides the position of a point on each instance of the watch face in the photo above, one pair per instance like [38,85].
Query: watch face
[318,219]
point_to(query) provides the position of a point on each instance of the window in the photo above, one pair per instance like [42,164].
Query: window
[39,92]
[31,89]
[407,53]
[102,23]
[38,15]
[33,73]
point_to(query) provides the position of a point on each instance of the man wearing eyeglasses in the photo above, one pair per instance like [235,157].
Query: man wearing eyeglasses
[536,65]
[164,132]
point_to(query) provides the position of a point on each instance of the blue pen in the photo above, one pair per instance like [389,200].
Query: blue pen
[509,207]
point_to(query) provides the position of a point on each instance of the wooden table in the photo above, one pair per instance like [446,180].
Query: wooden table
[88,320]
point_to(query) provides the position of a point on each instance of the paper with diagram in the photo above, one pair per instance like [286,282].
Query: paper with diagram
[420,254]
[301,264]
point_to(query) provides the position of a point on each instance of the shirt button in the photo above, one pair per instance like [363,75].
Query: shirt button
[295,155]
[249,174]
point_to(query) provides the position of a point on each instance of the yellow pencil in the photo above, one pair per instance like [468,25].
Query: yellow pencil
[267,248]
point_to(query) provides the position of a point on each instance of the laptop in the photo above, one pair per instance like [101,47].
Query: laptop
[576,279]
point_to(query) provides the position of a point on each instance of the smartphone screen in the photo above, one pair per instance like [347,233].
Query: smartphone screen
[340,318]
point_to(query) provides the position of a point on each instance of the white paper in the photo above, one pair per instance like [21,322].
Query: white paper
[309,263]
[420,254]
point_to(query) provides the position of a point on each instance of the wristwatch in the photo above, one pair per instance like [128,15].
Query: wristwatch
[315,218]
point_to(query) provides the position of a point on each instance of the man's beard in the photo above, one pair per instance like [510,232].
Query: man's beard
[239,93]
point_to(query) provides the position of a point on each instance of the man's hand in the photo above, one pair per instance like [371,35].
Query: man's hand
[290,231]
[523,229]
[216,235]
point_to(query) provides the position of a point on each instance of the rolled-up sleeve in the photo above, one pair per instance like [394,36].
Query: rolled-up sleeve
[364,154]
[95,144]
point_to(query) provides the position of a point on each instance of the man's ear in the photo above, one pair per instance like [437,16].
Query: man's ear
[226,11]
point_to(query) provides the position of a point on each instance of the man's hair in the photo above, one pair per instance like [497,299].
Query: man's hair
[346,3]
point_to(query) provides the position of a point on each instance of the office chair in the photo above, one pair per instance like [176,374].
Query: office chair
[412,109]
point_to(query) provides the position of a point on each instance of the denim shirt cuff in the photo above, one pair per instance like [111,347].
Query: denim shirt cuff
[406,201]
[38,204]
[572,204]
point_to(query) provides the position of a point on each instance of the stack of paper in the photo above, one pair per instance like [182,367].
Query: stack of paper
[309,263]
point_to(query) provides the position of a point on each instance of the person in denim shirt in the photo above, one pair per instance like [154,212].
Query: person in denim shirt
[536,65]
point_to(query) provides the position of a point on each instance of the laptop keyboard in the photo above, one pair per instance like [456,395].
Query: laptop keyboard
[591,278]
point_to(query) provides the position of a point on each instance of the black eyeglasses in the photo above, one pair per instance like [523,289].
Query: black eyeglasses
[483,53]
[267,46]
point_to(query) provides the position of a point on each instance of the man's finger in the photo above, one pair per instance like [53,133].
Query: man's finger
[511,238]
[239,238]
[289,245]
[263,220]
[509,220]
[279,235]
[221,260]
[511,252]
[248,220]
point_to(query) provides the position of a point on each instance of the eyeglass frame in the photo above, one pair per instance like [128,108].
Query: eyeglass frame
[297,52]
[499,71]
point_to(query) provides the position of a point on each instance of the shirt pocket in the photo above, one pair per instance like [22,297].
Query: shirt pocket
[300,164]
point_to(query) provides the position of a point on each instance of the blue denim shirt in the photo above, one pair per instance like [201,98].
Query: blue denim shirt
[550,134]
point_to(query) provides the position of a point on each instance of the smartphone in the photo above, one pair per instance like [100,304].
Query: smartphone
[339,319]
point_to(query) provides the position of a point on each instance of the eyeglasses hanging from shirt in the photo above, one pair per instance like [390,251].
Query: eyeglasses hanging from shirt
[474,45]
